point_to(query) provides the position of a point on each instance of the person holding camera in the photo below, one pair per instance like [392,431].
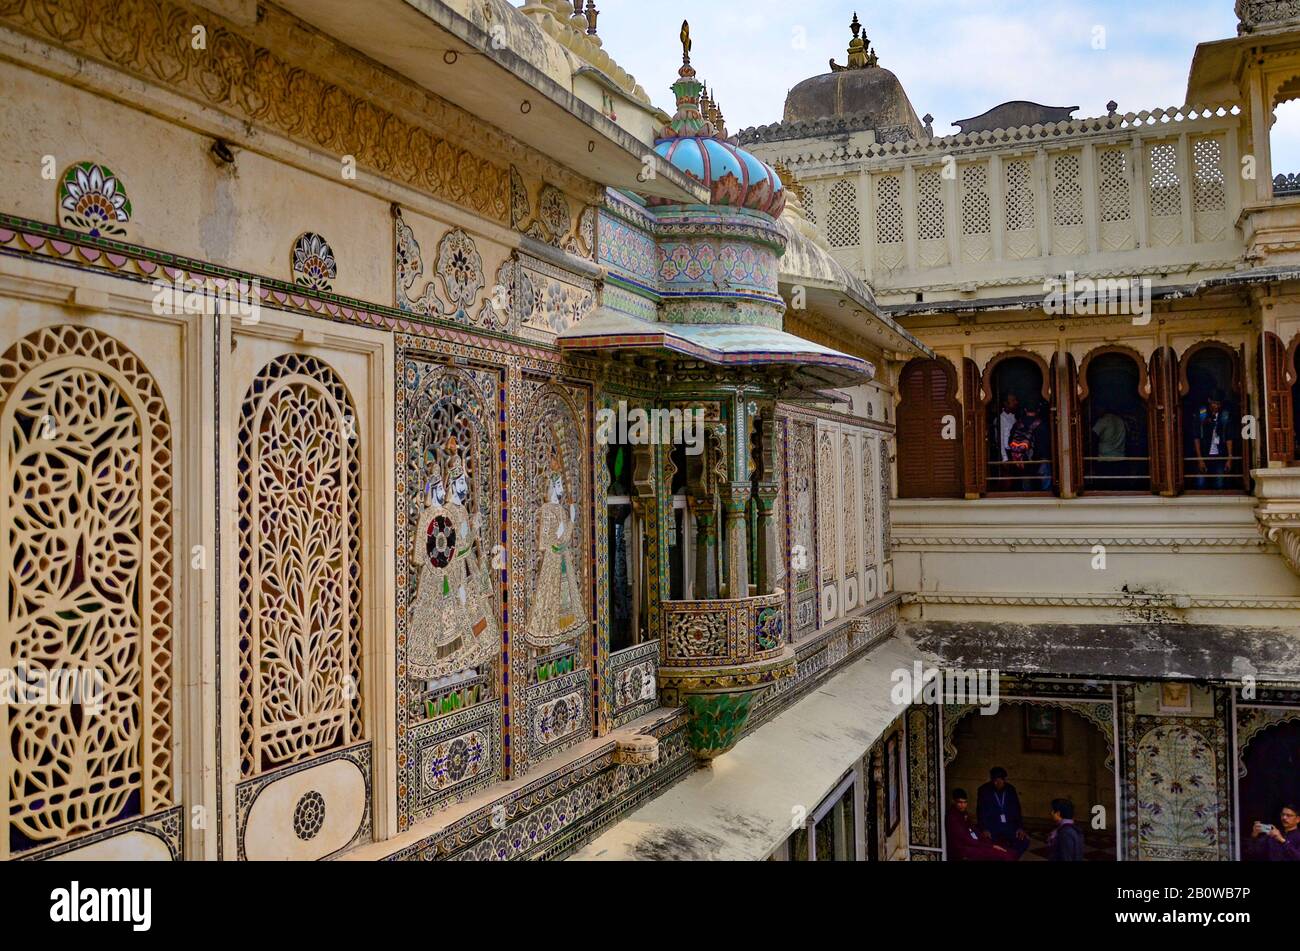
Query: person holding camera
[1279,843]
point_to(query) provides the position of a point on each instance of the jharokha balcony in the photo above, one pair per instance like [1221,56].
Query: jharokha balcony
[716,658]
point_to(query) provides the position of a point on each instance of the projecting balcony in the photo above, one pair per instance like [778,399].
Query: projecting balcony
[716,658]
[1278,511]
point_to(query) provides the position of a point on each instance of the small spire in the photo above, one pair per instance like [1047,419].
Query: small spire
[691,119]
[592,15]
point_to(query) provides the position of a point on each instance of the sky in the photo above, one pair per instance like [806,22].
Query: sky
[955,58]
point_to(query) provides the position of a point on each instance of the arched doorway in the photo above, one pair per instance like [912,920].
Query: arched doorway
[929,431]
[1116,422]
[1050,751]
[1021,438]
[1212,392]
[1269,777]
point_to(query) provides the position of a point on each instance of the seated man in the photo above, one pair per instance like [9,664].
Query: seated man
[997,807]
[964,841]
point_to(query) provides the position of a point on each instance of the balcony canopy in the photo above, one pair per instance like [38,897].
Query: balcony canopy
[805,365]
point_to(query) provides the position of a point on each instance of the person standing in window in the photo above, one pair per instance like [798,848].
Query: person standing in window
[1212,441]
[1030,447]
[1007,419]
[1112,442]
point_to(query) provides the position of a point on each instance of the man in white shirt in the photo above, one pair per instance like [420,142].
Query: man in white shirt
[1007,420]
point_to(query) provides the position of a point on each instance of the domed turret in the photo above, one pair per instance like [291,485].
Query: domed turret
[858,97]
[696,142]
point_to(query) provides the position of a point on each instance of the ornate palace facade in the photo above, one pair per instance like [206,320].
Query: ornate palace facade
[423,447]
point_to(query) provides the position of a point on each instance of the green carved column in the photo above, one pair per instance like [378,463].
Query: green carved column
[768,540]
[734,502]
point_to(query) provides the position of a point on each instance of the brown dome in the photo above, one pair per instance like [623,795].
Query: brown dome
[868,98]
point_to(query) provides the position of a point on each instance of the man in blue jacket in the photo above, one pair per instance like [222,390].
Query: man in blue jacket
[1067,841]
[997,806]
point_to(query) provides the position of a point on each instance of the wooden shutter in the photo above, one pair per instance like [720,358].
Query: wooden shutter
[1171,429]
[1158,422]
[975,468]
[1277,398]
[1072,407]
[929,466]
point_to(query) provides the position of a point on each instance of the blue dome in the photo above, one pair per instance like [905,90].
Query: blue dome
[734,177]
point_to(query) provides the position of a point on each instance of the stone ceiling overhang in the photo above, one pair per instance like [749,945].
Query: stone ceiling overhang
[805,366]
[492,81]
[1196,652]
[1216,66]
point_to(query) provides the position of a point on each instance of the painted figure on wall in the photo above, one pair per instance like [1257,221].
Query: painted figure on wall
[453,626]
[556,615]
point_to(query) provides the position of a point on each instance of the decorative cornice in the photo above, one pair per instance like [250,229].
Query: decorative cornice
[414,137]
[1173,543]
[1160,121]
[1102,601]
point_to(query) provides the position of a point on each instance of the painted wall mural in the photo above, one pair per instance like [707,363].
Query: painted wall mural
[87,551]
[1177,799]
[450,574]
[1177,769]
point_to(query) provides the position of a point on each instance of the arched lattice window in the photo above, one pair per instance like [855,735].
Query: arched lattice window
[828,508]
[86,512]
[842,227]
[300,566]
[849,488]
[869,491]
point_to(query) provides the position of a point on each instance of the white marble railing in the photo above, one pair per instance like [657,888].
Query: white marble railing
[1153,193]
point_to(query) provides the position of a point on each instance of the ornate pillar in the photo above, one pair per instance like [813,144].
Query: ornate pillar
[734,502]
[706,548]
[768,538]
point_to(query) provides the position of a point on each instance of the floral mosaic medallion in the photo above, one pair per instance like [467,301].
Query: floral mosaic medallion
[454,760]
[92,199]
[313,262]
[309,816]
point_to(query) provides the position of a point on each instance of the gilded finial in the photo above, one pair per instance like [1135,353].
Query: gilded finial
[861,55]
[686,43]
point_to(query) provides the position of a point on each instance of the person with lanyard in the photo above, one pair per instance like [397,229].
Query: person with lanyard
[965,844]
[997,806]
